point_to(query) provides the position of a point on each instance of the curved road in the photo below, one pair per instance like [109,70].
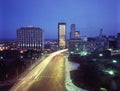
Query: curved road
[46,76]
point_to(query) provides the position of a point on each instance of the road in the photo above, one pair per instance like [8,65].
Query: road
[47,76]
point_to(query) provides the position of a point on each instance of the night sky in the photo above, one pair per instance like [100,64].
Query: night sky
[88,15]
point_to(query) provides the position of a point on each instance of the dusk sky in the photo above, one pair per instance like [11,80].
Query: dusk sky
[88,15]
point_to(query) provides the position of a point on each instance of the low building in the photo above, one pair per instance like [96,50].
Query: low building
[30,38]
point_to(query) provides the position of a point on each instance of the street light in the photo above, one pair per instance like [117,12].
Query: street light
[100,55]
[1,57]
[114,61]
[103,89]
[77,49]
[21,57]
[72,52]
[111,72]
[83,53]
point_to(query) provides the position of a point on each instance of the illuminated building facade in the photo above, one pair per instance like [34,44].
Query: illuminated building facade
[77,34]
[62,35]
[79,46]
[30,38]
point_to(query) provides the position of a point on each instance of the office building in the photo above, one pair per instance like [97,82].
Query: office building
[77,35]
[72,32]
[81,47]
[30,38]
[118,40]
[112,42]
[62,35]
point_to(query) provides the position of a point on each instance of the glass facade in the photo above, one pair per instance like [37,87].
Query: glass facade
[62,35]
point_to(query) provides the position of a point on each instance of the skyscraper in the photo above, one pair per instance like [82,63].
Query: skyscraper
[30,38]
[62,35]
[72,33]
[118,40]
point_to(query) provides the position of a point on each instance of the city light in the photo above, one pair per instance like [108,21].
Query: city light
[72,52]
[21,51]
[100,55]
[110,49]
[111,72]
[77,49]
[1,57]
[83,53]
[21,57]
[1,48]
[58,57]
[103,89]
[114,61]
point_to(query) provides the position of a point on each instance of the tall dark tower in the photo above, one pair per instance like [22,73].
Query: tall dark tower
[72,32]
[62,35]
[118,35]
[118,40]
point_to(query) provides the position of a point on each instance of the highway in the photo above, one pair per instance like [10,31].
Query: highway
[46,76]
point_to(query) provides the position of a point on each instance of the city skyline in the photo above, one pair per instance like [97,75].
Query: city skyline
[88,16]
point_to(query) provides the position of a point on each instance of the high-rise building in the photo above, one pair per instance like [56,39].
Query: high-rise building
[62,35]
[30,38]
[112,42]
[118,40]
[72,33]
[118,35]
[77,34]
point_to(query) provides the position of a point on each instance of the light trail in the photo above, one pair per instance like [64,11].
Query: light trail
[34,74]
